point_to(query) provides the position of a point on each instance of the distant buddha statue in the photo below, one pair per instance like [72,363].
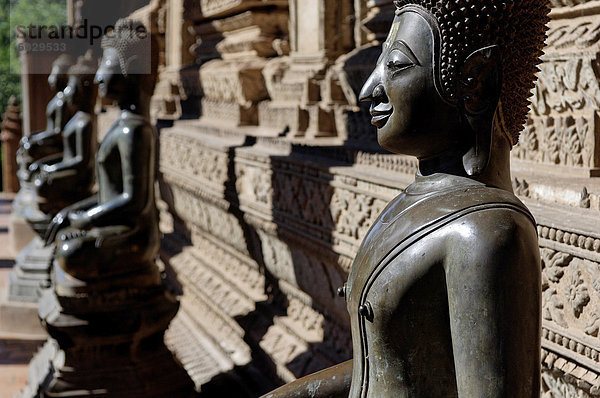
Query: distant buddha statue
[444,294]
[118,226]
[107,309]
[68,177]
[58,181]
[58,112]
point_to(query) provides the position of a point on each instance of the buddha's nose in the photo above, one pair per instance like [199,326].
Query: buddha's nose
[373,89]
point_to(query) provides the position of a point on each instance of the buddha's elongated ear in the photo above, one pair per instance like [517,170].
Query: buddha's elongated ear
[479,87]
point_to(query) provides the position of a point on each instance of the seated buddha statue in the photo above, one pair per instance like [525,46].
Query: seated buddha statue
[107,308]
[444,292]
[57,181]
[48,143]
[115,229]
[69,177]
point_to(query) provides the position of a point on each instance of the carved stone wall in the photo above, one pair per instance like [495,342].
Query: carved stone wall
[272,177]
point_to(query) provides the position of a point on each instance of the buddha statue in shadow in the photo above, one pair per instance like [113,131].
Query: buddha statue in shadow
[67,177]
[46,143]
[58,181]
[444,294]
[58,112]
[107,309]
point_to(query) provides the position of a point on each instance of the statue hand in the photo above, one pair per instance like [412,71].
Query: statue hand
[25,144]
[79,219]
[33,167]
[31,171]
[41,178]
[60,221]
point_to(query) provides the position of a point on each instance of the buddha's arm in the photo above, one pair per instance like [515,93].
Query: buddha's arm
[54,114]
[134,148]
[41,138]
[47,160]
[61,219]
[333,382]
[493,279]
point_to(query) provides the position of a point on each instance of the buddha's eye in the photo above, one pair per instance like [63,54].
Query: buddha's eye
[398,61]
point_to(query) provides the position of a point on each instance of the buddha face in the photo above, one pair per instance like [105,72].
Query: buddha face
[58,78]
[109,76]
[410,116]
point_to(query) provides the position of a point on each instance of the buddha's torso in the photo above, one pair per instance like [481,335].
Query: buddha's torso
[57,112]
[129,133]
[401,335]
[80,126]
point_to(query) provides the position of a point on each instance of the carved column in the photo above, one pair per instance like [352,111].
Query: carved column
[12,131]
[169,93]
[320,31]
[242,34]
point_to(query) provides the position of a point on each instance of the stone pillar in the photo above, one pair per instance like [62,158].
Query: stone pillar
[170,97]
[320,31]
[12,131]
[245,35]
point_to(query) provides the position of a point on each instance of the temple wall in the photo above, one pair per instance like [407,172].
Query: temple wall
[271,176]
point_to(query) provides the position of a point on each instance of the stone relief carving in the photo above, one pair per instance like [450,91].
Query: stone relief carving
[555,387]
[566,86]
[570,301]
[559,140]
[188,156]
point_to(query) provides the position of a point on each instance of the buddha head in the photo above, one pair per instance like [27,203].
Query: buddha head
[455,75]
[59,77]
[81,90]
[129,61]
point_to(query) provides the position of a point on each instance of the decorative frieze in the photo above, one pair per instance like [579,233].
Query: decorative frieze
[562,128]
[569,141]
[233,81]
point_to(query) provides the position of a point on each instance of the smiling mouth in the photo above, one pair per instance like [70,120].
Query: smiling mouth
[380,117]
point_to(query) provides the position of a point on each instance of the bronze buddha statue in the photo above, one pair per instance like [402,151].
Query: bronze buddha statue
[44,144]
[58,112]
[68,177]
[444,294]
[107,309]
[58,180]
[118,224]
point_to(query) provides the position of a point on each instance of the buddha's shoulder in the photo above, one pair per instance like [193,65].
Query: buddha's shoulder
[478,205]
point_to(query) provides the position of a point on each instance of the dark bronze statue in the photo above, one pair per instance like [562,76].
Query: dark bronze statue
[107,308]
[58,180]
[119,225]
[45,143]
[68,177]
[58,112]
[444,294]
